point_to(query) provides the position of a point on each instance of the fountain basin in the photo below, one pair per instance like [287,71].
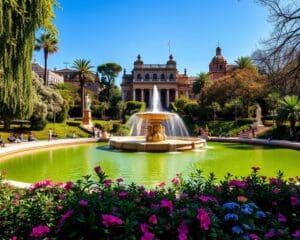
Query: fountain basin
[169,145]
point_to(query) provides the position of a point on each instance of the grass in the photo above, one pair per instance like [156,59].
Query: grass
[62,130]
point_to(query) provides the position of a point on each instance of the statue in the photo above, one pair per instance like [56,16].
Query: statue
[87,103]
[258,121]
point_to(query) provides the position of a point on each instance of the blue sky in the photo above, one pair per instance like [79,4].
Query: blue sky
[118,30]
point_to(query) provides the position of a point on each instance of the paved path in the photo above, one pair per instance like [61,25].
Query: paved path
[276,143]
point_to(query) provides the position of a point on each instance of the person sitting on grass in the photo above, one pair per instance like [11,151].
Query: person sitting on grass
[13,139]
[31,138]
[2,143]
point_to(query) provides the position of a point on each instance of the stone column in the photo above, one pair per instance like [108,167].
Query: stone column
[176,94]
[133,94]
[187,94]
[168,98]
[142,95]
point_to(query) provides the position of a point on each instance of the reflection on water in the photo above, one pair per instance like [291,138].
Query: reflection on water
[149,169]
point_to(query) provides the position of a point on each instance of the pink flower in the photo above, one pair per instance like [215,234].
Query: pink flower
[204,198]
[281,218]
[65,216]
[176,181]
[107,182]
[17,196]
[45,183]
[275,181]
[83,203]
[14,238]
[110,220]
[144,227]
[255,169]
[182,231]
[162,184]
[120,180]
[167,204]
[296,234]
[147,236]
[39,231]
[204,219]
[294,201]
[152,219]
[122,194]
[68,185]
[98,169]
[237,183]
[253,236]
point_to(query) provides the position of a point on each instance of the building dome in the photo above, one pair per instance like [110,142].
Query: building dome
[138,61]
[171,61]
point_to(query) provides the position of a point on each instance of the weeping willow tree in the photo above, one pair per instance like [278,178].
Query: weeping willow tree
[19,20]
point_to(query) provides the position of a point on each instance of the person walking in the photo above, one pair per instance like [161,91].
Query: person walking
[50,134]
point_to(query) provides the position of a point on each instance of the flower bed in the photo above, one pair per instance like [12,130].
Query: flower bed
[252,207]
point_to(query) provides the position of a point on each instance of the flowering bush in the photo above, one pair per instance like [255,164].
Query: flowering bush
[252,207]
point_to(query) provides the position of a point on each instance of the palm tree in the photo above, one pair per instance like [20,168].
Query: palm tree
[47,42]
[245,62]
[199,82]
[84,72]
[289,109]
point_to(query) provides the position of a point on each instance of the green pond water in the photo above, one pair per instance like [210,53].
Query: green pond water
[149,169]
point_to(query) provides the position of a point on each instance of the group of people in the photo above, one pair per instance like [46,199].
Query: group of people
[17,138]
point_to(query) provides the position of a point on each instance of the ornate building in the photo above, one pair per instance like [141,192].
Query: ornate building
[171,84]
[218,66]
[52,77]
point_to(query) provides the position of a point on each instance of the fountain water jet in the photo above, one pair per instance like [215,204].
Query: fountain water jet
[165,131]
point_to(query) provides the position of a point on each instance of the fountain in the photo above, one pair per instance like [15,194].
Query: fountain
[165,131]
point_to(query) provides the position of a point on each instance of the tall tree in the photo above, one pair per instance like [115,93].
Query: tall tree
[289,109]
[245,62]
[199,82]
[19,20]
[84,72]
[109,72]
[47,42]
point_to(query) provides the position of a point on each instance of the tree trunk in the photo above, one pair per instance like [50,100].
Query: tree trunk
[45,67]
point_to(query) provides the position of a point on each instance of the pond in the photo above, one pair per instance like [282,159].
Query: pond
[148,169]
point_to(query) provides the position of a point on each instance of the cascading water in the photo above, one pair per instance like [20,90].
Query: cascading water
[174,126]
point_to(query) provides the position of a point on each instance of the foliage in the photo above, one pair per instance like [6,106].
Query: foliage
[19,20]
[252,207]
[245,62]
[132,107]
[38,123]
[48,42]
[109,72]
[84,72]
[289,109]
[229,128]
[199,83]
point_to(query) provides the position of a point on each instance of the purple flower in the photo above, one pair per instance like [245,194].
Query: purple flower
[167,204]
[107,182]
[14,238]
[122,194]
[182,231]
[65,216]
[83,202]
[296,234]
[98,169]
[281,218]
[253,236]
[270,234]
[39,231]
[119,180]
[68,185]
[294,201]
[237,230]
[237,183]
[204,219]
[110,220]
[275,181]
[204,198]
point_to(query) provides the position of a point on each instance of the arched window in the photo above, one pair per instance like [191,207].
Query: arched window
[171,76]
[162,76]
[139,76]
[147,76]
[154,76]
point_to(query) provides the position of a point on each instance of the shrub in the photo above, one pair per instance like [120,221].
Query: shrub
[75,111]
[38,123]
[73,123]
[252,207]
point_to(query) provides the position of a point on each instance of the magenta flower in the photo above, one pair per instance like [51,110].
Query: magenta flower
[107,182]
[147,236]
[119,180]
[182,231]
[270,234]
[152,219]
[237,183]
[144,227]
[176,181]
[83,203]
[14,238]
[68,185]
[65,216]
[39,231]
[253,236]
[122,194]
[281,218]
[110,220]
[98,169]
[167,204]
[296,234]
[204,219]
[294,201]
[47,182]
[275,181]
[204,198]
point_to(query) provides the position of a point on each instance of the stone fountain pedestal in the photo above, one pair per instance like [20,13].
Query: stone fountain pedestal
[87,118]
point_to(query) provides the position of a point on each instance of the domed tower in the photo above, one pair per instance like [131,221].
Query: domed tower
[218,65]
[138,62]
